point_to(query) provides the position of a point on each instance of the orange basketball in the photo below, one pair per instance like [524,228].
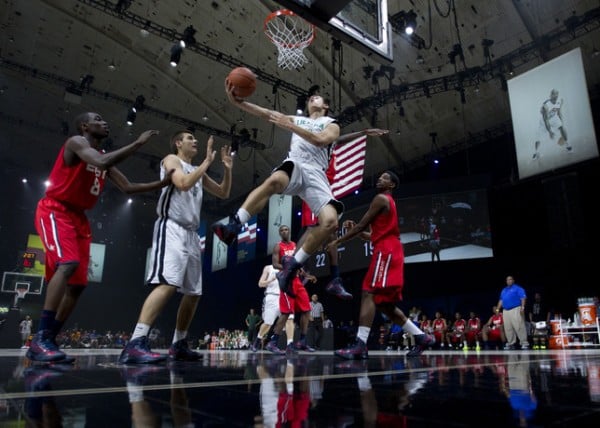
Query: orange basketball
[244,81]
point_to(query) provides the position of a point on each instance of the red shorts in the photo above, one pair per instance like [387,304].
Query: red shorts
[472,336]
[387,295]
[66,236]
[386,268]
[300,303]
[495,334]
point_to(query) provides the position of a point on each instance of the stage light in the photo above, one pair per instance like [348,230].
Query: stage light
[131,116]
[176,50]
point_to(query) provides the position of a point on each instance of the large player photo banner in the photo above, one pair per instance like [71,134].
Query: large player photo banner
[219,251]
[551,115]
[280,213]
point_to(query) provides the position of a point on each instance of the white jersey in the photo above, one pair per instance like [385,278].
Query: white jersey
[303,151]
[273,285]
[182,207]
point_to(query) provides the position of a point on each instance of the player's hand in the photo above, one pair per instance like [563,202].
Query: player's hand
[230,95]
[281,120]
[227,157]
[376,132]
[146,135]
[210,153]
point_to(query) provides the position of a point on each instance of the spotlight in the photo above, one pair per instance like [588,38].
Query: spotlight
[410,22]
[138,105]
[205,118]
[176,54]
[300,104]
[24,180]
[131,115]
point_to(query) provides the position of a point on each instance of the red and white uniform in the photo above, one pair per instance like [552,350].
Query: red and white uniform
[473,330]
[439,329]
[287,303]
[60,217]
[495,327]
[458,330]
[286,249]
[385,277]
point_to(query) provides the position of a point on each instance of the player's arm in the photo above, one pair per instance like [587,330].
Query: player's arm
[251,108]
[323,138]
[124,185]
[379,204]
[264,278]
[78,147]
[184,181]
[222,189]
[365,235]
[275,258]
[559,111]
[372,132]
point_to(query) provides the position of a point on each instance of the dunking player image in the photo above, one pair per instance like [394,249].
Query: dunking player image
[383,283]
[76,182]
[552,128]
[302,174]
[176,257]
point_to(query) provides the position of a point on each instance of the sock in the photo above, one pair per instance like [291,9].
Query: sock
[140,330]
[179,335]
[334,271]
[301,256]
[364,383]
[47,320]
[243,215]
[411,328]
[363,333]
[57,326]
[135,392]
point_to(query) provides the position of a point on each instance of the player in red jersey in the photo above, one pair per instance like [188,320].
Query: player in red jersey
[76,182]
[440,327]
[456,336]
[493,330]
[383,283]
[473,330]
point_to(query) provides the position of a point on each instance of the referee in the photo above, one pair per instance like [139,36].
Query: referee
[316,321]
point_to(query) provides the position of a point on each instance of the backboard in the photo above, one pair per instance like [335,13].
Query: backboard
[362,24]
[13,280]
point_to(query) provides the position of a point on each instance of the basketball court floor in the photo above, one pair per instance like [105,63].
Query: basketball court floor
[245,389]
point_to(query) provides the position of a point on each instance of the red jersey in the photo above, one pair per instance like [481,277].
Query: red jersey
[286,248]
[439,324]
[473,324]
[77,186]
[497,321]
[385,228]
[459,325]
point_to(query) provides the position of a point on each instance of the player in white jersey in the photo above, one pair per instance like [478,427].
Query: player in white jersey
[176,259]
[302,174]
[270,308]
[552,126]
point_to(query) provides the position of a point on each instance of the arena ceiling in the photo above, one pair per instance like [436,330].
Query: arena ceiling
[61,57]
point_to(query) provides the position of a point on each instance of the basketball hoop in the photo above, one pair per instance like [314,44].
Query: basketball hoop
[291,34]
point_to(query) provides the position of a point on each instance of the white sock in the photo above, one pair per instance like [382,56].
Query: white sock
[140,330]
[301,256]
[243,215]
[364,383]
[411,328]
[363,333]
[179,335]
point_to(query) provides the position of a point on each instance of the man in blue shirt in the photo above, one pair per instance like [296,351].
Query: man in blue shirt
[512,301]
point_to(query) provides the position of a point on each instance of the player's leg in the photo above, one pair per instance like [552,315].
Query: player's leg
[358,350]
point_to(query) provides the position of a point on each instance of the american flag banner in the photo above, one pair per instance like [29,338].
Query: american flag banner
[345,173]
[349,166]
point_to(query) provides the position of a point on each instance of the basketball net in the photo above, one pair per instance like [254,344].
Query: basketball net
[20,293]
[291,34]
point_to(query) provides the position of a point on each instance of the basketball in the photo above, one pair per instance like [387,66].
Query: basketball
[244,81]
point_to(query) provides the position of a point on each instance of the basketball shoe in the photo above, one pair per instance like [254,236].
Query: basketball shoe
[44,349]
[228,232]
[286,275]
[137,351]
[180,351]
[336,288]
[422,341]
[357,351]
